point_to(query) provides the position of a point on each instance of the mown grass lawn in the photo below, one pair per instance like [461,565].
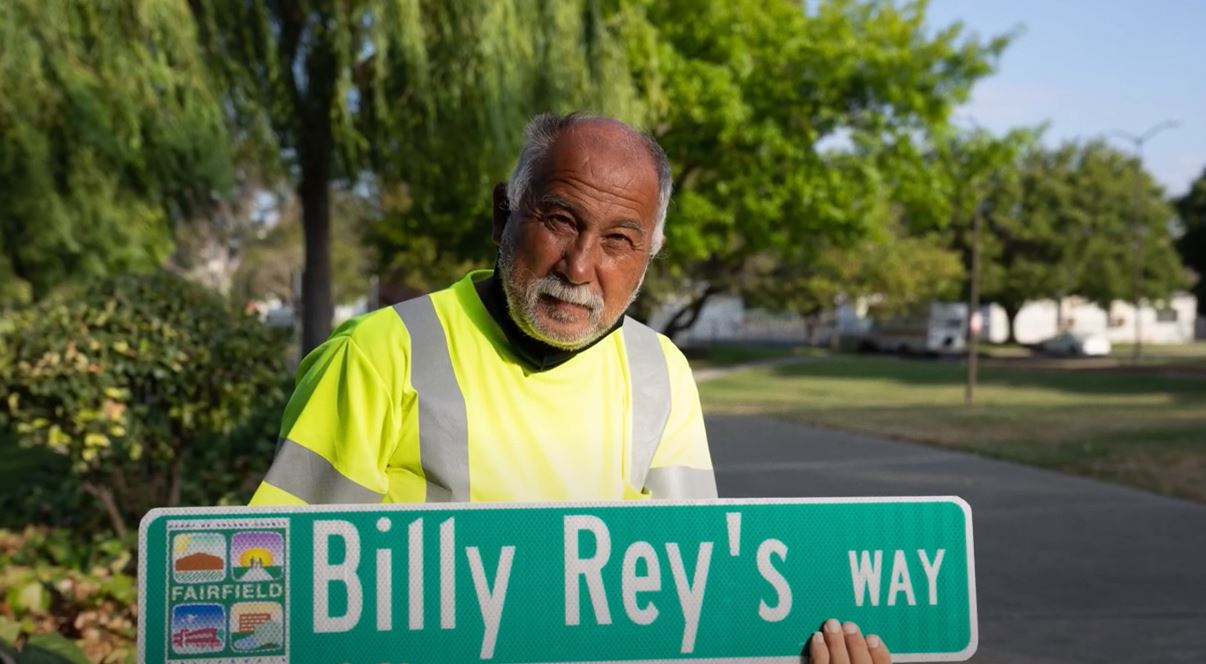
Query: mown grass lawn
[723,355]
[1144,428]
[1187,354]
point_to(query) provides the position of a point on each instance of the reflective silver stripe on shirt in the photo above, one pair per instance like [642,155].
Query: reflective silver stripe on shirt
[307,475]
[649,382]
[681,483]
[443,424]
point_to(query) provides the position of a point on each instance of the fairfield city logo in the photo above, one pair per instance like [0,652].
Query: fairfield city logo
[227,591]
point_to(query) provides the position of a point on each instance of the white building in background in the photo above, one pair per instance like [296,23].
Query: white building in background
[727,319]
[721,319]
[1170,324]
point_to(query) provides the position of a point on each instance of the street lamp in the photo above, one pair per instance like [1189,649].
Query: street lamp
[1137,277]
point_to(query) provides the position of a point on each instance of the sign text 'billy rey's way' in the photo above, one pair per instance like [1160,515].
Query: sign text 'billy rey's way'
[638,575]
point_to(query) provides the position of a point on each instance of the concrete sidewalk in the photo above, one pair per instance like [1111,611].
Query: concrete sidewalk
[1068,569]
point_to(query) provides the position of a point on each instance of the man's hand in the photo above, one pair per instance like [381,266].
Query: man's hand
[845,644]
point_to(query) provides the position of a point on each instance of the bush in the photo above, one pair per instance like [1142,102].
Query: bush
[33,490]
[152,388]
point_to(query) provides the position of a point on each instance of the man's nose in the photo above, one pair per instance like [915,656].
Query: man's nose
[578,260]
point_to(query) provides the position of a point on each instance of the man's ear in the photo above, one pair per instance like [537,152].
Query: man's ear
[502,211]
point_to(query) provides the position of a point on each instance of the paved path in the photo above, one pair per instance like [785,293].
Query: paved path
[1068,569]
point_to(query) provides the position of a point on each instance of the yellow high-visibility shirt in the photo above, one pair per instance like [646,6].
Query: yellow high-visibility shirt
[454,414]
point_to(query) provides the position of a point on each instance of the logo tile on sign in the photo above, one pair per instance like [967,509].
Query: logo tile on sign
[198,628]
[257,626]
[257,555]
[198,557]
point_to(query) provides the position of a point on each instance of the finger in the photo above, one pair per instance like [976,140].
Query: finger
[818,652]
[836,642]
[856,645]
[879,650]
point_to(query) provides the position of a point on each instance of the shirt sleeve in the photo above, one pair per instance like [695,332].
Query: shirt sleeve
[682,466]
[337,433]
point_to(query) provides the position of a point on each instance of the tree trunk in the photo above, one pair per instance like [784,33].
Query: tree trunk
[105,495]
[812,328]
[1011,315]
[685,317]
[317,307]
[176,479]
[316,152]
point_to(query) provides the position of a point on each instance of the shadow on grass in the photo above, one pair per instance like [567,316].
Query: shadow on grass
[946,373]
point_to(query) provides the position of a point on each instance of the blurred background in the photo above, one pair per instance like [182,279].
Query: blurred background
[972,225]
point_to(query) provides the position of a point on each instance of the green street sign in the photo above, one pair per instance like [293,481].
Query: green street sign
[725,580]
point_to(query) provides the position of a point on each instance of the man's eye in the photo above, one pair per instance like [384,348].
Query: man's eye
[619,239]
[559,220]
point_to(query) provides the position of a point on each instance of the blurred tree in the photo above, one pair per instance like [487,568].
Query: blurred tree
[757,101]
[975,167]
[1064,223]
[1094,208]
[109,133]
[210,249]
[979,175]
[424,95]
[274,254]
[1191,210]
[890,267]
[1024,246]
[496,68]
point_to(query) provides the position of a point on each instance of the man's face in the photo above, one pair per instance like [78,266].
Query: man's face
[573,258]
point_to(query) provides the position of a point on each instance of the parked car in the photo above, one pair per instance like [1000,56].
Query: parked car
[1079,344]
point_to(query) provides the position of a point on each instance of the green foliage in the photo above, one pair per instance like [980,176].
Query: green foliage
[496,66]
[422,100]
[1073,223]
[1191,210]
[785,126]
[34,491]
[109,132]
[896,269]
[132,378]
[63,602]
[975,170]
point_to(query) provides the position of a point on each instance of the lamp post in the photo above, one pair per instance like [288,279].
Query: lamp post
[1137,276]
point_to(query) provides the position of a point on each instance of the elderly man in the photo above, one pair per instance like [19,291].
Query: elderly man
[527,383]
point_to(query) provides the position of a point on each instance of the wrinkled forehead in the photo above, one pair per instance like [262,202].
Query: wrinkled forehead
[604,162]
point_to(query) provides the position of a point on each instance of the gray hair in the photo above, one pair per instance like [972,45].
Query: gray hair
[539,137]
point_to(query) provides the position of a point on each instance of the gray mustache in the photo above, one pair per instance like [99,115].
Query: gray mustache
[580,295]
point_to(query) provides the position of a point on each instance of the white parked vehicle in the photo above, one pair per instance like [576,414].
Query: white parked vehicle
[1078,344]
[939,328]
